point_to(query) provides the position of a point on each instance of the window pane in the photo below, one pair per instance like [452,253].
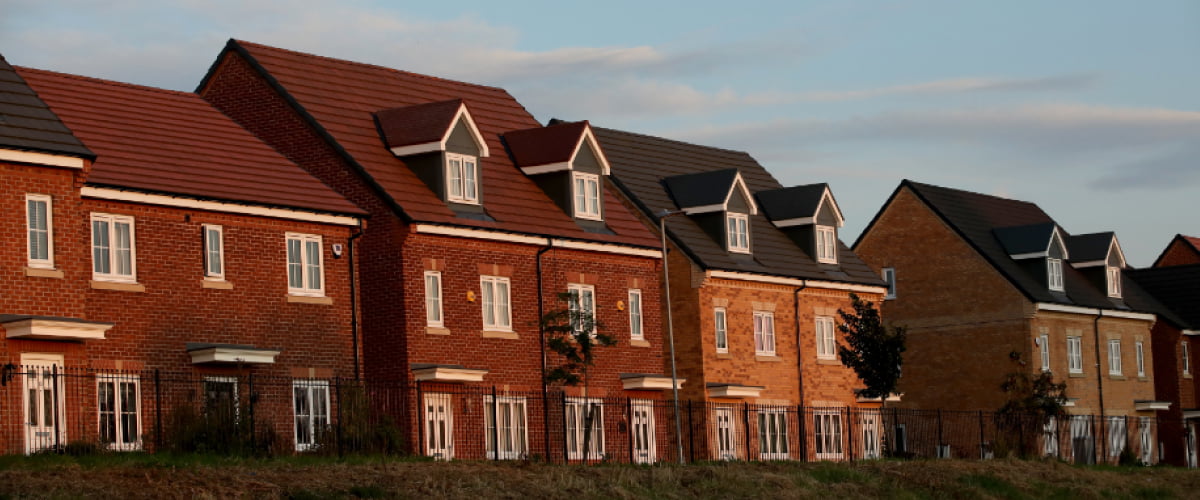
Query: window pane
[456,178]
[469,176]
[100,247]
[489,310]
[635,314]
[124,248]
[580,196]
[502,310]
[39,234]
[313,262]
[433,298]
[295,267]
[593,197]
[213,239]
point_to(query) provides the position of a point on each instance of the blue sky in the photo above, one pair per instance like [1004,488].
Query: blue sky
[1087,108]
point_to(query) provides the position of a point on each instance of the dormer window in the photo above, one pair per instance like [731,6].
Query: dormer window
[1054,273]
[826,245]
[462,178]
[738,232]
[1114,282]
[587,195]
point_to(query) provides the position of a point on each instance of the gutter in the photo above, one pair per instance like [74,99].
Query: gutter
[542,344]
[799,360]
[1100,384]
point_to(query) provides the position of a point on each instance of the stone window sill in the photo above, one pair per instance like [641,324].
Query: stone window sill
[1075,375]
[304,299]
[639,343]
[436,330]
[216,284]
[768,357]
[494,334]
[831,362]
[120,287]
[1116,377]
[42,272]
[724,355]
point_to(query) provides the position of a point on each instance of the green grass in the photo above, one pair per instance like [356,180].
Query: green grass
[992,486]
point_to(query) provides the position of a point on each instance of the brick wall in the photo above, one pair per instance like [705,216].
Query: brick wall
[1178,253]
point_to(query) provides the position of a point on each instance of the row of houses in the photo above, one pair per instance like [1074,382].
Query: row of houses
[306,219]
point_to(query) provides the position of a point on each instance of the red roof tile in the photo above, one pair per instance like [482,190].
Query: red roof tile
[545,145]
[1194,241]
[342,97]
[175,142]
[417,124]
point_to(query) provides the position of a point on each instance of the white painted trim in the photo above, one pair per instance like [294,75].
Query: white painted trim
[738,182]
[48,262]
[587,178]
[483,234]
[650,383]
[1107,313]
[475,134]
[1117,245]
[591,139]
[1087,264]
[447,374]
[215,206]
[1128,315]
[734,275]
[1151,405]
[547,168]
[218,354]
[841,221]
[798,221]
[1031,255]
[416,149]
[1190,414]
[735,391]
[704,209]
[52,160]
[892,398]
[846,286]
[1055,235]
[1191,332]
[49,329]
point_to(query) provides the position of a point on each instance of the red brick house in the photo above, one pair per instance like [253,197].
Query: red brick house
[980,279]
[158,236]
[1181,250]
[480,218]
[757,275]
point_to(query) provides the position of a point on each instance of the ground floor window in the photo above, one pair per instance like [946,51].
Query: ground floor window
[1082,445]
[585,429]
[439,426]
[642,420]
[1050,437]
[1116,436]
[1146,440]
[118,404]
[772,434]
[827,435]
[870,434]
[221,399]
[310,403]
[511,435]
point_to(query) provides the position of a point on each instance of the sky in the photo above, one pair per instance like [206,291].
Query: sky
[1090,109]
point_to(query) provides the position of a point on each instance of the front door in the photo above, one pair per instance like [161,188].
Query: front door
[45,412]
[439,428]
[1191,444]
[870,434]
[643,431]
[724,433]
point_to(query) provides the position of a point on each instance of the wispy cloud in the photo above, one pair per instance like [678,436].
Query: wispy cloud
[958,85]
[1173,170]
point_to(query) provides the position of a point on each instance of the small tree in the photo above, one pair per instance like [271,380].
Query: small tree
[1031,397]
[872,350]
[574,333]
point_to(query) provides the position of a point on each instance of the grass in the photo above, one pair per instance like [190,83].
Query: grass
[207,476]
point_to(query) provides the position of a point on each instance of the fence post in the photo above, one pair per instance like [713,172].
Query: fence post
[691,434]
[941,437]
[981,453]
[337,390]
[803,433]
[629,427]
[57,409]
[562,396]
[251,399]
[158,430]
[495,425]
[420,421]
[1092,427]
[746,424]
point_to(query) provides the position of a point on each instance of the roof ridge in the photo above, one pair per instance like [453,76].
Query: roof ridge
[112,83]
[976,193]
[676,141]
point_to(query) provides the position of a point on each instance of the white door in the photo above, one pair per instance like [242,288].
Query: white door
[870,434]
[1082,445]
[439,427]
[643,431]
[1191,445]
[44,398]
[723,418]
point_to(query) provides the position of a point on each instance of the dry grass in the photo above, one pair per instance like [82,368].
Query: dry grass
[162,477]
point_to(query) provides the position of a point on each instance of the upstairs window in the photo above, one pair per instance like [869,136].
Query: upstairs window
[41,231]
[826,245]
[587,195]
[764,333]
[305,273]
[719,322]
[635,315]
[1141,359]
[214,252]
[1187,359]
[738,229]
[112,248]
[1114,357]
[826,345]
[889,275]
[462,178]
[1114,282]
[497,310]
[433,299]
[1074,354]
[1044,344]
[583,308]
[1054,274]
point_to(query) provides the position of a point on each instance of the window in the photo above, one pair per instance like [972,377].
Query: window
[1116,436]
[1187,359]
[118,403]
[221,399]
[1114,357]
[889,275]
[826,346]
[304,265]
[1074,355]
[1050,437]
[738,233]
[41,230]
[764,333]
[1114,282]
[582,306]
[511,436]
[1145,439]
[214,252]
[587,195]
[827,434]
[1054,273]
[497,313]
[1044,344]
[1141,358]
[112,248]
[642,426]
[585,428]
[462,178]
[439,426]
[311,406]
[772,434]
[724,429]
[433,298]
[635,315]
[719,322]
[826,245]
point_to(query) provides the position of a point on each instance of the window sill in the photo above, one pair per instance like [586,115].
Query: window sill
[116,286]
[724,355]
[304,299]
[1075,375]
[494,334]
[768,357]
[1143,378]
[1187,375]
[43,272]
[1116,377]
[826,361]
[216,284]
[639,343]
[437,330]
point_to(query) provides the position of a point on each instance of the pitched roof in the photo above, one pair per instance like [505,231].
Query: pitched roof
[1090,247]
[640,165]
[27,123]
[1189,242]
[164,141]
[975,216]
[796,202]
[1026,239]
[417,124]
[1177,288]
[701,189]
[339,98]
[554,143]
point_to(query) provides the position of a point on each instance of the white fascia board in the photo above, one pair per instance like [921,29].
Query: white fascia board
[892,398]
[734,391]
[50,160]
[478,137]
[1190,414]
[846,286]
[1115,245]
[1055,235]
[1191,332]
[591,139]
[739,183]
[482,234]
[233,355]
[1031,255]
[799,221]
[547,168]
[1107,313]
[416,149]
[1128,315]
[1087,264]
[49,329]
[215,206]
[704,209]
[650,383]
[841,221]
[446,374]
[779,280]
[1151,405]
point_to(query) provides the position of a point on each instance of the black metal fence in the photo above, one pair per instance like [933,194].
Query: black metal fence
[48,408]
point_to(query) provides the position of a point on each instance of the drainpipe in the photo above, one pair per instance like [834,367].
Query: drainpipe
[542,347]
[353,295]
[800,368]
[1100,386]
[662,232]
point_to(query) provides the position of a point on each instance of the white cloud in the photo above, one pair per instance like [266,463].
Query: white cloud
[955,85]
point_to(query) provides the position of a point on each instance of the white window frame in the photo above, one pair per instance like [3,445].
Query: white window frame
[828,433]
[764,333]
[725,429]
[737,232]
[721,329]
[1145,440]
[1117,435]
[636,325]
[1074,354]
[575,419]
[889,276]
[827,247]
[1054,274]
[1044,344]
[313,391]
[1050,437]
[513,435]
[588,201]
[305,263]
[1187,359]
[122,440]
[233,382]
[773,434]
[643,428]
[577,304]
[1114,282]
[434,314]
[825,337]
[468,185]
[34,261]
[110,222]
[1140,351]
[1114,356]
[210,232]
[501,313]
[438,412]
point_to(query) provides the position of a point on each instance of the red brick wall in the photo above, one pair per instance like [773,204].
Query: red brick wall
[1178,253]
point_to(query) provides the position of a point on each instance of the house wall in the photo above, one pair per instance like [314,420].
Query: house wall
[1170,384]
[1119,390]
[827,383]
[1178,253]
